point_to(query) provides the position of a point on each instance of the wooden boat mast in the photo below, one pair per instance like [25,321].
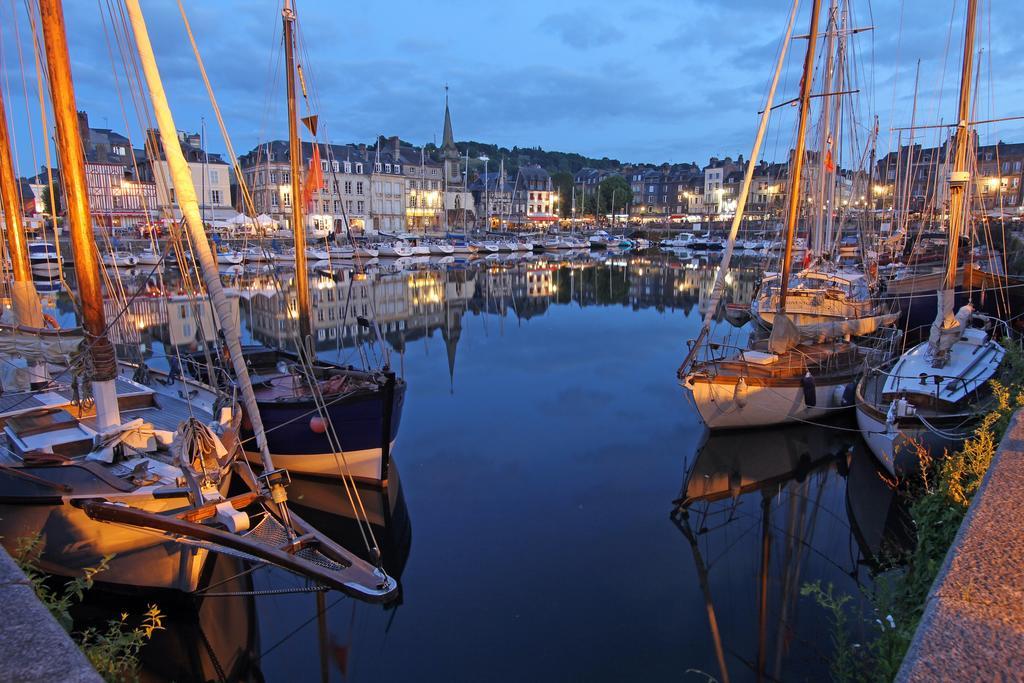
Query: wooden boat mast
[295,156]
[741,201]
[181,179]
[959,176]
[87,265]
[797,165]
[27,309]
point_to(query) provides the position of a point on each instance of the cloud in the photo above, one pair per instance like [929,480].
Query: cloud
[643,81]
[581,29]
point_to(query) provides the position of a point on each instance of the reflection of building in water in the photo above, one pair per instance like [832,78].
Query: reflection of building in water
[525,290]
[680,283]
[176,320]
[405,306]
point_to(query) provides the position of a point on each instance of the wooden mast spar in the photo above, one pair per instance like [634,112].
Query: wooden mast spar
[959,176]
[797,166]
[87,266]
[181,179]
[295,156]
[27,309]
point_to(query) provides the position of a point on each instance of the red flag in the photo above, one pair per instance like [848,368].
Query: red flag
[830,164]
[314,179]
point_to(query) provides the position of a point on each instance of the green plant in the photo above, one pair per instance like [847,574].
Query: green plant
[939,501]
[113,652]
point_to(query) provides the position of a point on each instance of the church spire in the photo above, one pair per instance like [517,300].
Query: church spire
[449,138]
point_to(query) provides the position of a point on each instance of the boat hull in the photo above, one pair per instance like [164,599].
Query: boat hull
[360,421]
[72,542]
[895,446]
[762,405]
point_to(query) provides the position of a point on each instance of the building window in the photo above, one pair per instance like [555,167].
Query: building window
[287,199]
[360,207]
[286,176]
[359,187]
[348,187]
[214,176]
[398,168]
[387,168]
[334,166]
[274,200]
[348,167]
[376,167]
[215,196]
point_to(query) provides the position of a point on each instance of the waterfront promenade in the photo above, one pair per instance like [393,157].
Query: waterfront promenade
[33,646]
[973,624]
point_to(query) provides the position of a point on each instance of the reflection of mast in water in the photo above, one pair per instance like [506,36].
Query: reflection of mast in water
[724,472]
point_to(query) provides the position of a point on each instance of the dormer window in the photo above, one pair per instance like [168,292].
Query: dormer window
[398,169]
[387,168]
[359,168]
[323,165]
[376,167]
[348,167]
[334,166]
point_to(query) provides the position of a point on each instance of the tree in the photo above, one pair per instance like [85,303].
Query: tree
[51,201]
[562,184]
[612,190]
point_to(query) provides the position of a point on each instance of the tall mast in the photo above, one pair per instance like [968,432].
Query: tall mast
[959,176]
[181,178]
[796,168]
[72,162]
[27,310]
[295,156]
[817,244]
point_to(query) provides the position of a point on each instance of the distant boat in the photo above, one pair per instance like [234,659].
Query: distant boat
[44,258]
[119,259]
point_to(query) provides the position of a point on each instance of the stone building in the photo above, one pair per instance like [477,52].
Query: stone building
[118,196]
[211,176]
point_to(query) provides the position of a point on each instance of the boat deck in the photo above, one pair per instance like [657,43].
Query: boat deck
[60,395]
[813,358]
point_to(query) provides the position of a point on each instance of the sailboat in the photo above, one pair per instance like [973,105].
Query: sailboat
[363,407]
[146,496]
[801,372]
[825,290]
[934,393]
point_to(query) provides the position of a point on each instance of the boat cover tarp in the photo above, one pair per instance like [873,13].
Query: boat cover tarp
[856,327]
[785,334]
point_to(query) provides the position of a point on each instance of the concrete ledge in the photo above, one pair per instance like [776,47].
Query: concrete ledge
[973,623]
[33,646]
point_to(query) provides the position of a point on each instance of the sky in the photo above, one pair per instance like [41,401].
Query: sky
[669,81]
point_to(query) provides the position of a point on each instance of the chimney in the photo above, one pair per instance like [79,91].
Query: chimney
[362,148]
[396,146]
[83,126]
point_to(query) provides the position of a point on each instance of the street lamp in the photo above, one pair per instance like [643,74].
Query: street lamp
[487,205]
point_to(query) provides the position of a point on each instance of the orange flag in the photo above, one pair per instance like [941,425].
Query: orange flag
[314,179]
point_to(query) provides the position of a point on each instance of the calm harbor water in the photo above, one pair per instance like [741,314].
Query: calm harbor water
[561,513]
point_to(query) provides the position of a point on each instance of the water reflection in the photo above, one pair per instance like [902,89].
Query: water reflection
[539,481]
[358,305]
[782,508]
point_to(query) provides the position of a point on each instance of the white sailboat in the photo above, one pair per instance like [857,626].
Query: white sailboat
[934,393]
[801,372]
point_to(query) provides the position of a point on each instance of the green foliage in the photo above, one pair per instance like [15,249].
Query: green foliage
[940,499]
[51,201]
[114,651]
[615,194]
[562,184]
